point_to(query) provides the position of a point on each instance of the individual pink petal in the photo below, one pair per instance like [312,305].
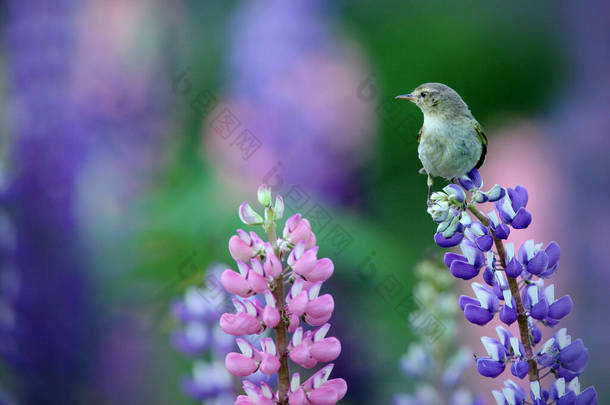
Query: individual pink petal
[290,224]
[271,316]
[339,385]
[239,324]
[257,282]
[240,365]
[321,306]
[270,363]
[322,271]
[317,321]
[273,266]
[294,323]
[239,249]
[300,355]
[311,241]
[326,349]
[234,283]
[306,263]
[301,232]
[297,397]
[324,395]
[298,304]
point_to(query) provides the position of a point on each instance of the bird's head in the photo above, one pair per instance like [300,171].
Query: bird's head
[437,99]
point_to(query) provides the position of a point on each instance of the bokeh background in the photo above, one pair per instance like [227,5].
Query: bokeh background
[131,130]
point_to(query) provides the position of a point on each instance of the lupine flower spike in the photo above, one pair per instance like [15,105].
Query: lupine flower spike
[263,302]
[434,363]
[200,337]
[516,288]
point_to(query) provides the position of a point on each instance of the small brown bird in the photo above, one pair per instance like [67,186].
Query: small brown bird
[451,141]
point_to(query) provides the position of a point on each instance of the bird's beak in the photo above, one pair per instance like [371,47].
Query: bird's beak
[409,96]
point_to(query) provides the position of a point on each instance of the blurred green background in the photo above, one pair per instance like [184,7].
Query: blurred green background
[122,185]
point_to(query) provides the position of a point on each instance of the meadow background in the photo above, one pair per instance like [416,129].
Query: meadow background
[132,130]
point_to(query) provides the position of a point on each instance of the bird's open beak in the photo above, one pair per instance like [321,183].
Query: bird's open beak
[409,96]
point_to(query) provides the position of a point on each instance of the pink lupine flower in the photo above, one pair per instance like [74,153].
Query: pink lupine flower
[263,268]
[262,395]
[244,246]
[298,229]
[245,321]
[317,390]
[309,348]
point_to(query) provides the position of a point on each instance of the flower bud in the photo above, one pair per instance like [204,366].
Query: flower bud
[278,208]
[264,195]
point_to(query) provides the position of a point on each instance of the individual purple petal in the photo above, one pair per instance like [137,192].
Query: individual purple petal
[540,310]
[471,180]
[567,375]
[578,365]
[561,307]
[520,368]
[567,399]
[502,231]
[522,219]
[505,216]
[572,352]
[498,290]
[477,315]
[553,251]
[523,251]
[513,268]
[538,264]
[587,397]
[484,242]
[546,360]
[463,270]
[518,197]
[465,300]
[508,315]
[488,367]
[488,276]
[536,335]
[472,253]
[443,242]
[455,191]
[450,257]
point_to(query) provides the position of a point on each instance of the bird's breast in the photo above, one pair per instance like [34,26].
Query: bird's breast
[448,149]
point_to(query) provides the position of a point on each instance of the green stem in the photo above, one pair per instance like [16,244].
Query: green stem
[281,330]
[514,289]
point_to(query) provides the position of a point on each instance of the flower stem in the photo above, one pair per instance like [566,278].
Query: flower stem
[514,289]
[281,334]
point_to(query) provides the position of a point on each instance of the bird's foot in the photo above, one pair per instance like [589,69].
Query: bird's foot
[430,182]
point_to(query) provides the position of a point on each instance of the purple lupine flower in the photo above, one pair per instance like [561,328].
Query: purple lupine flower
[304,56]
[200,336]
[261,305]
[505,273]
[49,341]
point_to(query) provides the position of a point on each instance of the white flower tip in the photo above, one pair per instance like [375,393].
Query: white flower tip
[264,195]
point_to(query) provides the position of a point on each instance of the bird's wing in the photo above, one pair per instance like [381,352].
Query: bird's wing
[483,139]
[419,134]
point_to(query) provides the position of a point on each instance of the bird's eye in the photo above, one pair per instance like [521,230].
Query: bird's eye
[423,94]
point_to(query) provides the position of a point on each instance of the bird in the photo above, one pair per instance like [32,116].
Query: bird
[451,141]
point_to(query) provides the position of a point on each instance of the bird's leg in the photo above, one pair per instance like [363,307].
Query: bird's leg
[430,182]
